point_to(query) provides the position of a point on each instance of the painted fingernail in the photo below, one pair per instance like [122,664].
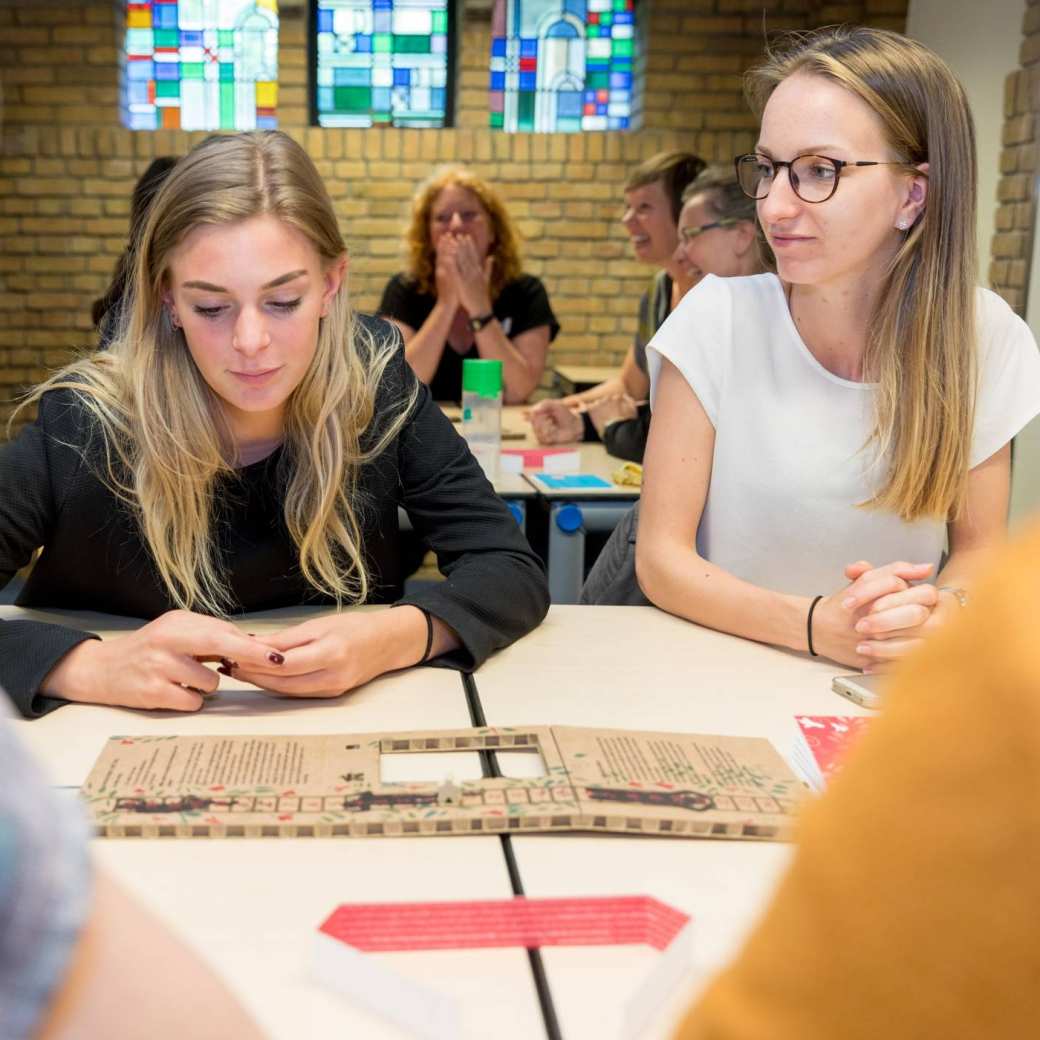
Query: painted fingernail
[861,626]
[223,670]
[275,658]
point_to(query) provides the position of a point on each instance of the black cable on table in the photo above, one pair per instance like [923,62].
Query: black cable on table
[489,768]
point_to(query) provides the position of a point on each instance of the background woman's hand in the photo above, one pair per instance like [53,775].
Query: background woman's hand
[445,273]
[329,655]
[474,277]
[157,666]
[552,422]
[837,620]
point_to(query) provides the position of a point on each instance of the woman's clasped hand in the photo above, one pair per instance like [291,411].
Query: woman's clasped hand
[164,664]
[880,616]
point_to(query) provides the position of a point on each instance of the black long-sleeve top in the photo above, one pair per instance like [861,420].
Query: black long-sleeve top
[94,556]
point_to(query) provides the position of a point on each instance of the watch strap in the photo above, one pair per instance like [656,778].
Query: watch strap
[479,322]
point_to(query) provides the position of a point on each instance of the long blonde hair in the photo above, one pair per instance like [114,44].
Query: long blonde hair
[165,442]
[922,342]
[505,239]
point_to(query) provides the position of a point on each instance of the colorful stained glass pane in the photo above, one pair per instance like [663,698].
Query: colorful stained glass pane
[200,65]
[562,65]
[399,47]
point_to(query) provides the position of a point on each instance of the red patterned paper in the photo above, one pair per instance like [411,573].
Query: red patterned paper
[830,738]
[594,921]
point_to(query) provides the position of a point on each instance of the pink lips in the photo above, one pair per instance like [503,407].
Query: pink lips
[783,241]
[256,378]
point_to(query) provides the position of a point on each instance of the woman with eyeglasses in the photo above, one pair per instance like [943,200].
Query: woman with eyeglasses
[718,235]
[822,435]
[718,232]
[464,294]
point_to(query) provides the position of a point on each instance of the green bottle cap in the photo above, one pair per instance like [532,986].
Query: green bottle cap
[481,376]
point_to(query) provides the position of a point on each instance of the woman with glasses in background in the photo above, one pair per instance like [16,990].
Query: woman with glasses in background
[718,235]
[464,294]
[821,435]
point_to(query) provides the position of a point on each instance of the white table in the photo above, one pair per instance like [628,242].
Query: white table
[572,512]
[252,907]
[639,668]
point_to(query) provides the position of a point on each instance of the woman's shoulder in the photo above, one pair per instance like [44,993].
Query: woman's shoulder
[995,317]
[379,331]
[718,299]
[523,285]
[64,414]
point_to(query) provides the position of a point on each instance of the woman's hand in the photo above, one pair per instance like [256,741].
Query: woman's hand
[612,409]
[896,623]
[445,274]
[837,619]
[553,422]
[329,655]
[474,277]
[159,665]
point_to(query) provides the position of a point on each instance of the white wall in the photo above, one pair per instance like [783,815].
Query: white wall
[980,42]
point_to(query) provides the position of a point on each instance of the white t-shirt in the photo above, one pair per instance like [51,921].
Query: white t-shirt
[792,454]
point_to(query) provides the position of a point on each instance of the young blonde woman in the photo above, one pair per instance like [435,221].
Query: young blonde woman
[820,437]
[464,294]
[244,444]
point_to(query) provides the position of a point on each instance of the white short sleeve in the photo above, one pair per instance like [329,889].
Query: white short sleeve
[697,338]
[1009,376]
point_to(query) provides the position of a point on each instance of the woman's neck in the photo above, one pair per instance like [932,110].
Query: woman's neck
[255,435]
[833,321]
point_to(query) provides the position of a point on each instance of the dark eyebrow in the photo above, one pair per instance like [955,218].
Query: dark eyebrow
[273,284]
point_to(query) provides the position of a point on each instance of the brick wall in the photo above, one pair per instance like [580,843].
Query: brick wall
[1019,164]
[67,167]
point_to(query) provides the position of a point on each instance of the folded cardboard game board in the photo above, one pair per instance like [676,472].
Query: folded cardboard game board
[676,784]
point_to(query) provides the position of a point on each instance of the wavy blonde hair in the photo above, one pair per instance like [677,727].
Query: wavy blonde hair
[165,442]
[505,239]
[922,342]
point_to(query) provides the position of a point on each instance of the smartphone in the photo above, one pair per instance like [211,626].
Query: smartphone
[861,689]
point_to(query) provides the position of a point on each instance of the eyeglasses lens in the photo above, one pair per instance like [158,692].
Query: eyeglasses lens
[813,177]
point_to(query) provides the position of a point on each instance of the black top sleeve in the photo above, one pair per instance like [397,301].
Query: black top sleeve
[524,304]
[32,477]
[403,302]
[626,439]
[495,589]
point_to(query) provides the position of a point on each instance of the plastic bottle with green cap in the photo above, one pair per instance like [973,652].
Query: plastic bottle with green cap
[482,411]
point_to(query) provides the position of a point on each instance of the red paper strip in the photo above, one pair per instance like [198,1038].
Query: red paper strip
[612,921]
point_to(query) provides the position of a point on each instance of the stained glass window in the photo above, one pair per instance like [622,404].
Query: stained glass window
[200,65]
[382,62]
[562,65]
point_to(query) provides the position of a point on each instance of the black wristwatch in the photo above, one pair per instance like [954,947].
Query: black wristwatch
[476,324]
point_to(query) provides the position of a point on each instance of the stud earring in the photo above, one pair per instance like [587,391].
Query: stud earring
[902,224]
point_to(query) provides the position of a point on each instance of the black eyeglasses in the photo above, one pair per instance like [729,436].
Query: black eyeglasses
[687,234]
[814,178]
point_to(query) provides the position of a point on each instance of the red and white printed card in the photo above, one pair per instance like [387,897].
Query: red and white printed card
[823,743]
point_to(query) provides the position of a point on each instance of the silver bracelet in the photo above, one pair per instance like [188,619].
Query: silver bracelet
[959,594]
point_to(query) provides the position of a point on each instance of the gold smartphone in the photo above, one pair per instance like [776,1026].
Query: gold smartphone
[864,690]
